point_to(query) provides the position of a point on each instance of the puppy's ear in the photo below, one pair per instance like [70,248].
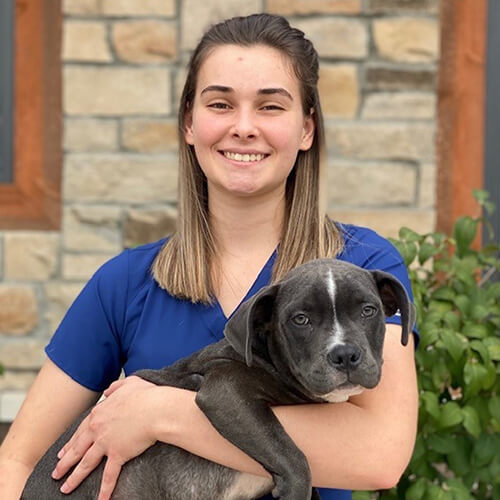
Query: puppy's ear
[248,325]
[394,298]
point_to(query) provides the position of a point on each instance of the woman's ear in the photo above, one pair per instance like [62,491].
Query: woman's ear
[308,131]
[188,126]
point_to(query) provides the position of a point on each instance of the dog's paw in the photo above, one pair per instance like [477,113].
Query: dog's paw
[290,489]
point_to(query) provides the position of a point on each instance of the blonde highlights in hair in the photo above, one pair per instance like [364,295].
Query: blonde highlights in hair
[184,264]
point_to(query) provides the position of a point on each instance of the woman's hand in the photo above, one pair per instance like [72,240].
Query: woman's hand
[124,412]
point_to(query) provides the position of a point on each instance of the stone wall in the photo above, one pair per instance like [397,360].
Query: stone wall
[123,68]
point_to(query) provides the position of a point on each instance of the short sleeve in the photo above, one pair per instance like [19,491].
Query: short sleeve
[86,345]
[369,250]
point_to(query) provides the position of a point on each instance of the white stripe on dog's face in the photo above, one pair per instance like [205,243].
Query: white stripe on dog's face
[338,333]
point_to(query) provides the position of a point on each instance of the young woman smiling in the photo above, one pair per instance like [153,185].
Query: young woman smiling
[250,209]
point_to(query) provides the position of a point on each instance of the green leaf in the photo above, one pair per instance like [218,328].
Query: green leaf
[361,495]
[442,443]
[480,347]
[420,448]
[474,373]
[458,489]
[450,415]
[459,460]
[452,321]
[440,374]
[431,403]
[435,492]
[464,232]
[408,252]
[426,252]
[444,293]
[417,490]
[479,312]
[471,421]
[493,291]
[490,376]
[409,235]
[454,343]
[475,331]
[429,333]
[493,346]
[463,304]
[482,197]
[485,449]
[494,407]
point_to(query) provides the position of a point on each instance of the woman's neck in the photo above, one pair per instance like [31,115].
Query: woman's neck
[243,225]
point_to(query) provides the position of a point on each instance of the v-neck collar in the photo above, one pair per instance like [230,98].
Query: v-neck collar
[212,314]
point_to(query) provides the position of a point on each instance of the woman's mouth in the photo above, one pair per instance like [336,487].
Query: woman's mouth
[244,157]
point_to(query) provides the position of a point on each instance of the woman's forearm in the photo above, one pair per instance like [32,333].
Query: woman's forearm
[339,442]
[52,403]
[13,476]
[363,444]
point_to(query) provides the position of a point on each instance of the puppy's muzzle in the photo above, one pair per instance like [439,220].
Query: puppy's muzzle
[345,357]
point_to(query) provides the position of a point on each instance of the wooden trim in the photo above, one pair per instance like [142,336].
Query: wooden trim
[461,109]
[32,201]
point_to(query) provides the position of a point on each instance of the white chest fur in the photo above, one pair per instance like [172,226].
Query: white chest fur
[341,395]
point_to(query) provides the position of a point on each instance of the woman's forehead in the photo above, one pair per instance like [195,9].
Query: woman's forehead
[255,66]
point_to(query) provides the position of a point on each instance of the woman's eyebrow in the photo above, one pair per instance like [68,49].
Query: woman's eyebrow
[216,88]
[278,90]
[266,91]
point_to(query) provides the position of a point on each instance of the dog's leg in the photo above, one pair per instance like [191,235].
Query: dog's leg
[315,494]
[241,413]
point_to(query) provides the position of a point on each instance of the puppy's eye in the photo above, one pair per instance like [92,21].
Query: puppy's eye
[369,311]
[300,320]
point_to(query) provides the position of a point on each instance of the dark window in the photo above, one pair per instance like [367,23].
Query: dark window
[492,144]
[6,88]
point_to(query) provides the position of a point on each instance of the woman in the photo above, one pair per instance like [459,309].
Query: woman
[251,148]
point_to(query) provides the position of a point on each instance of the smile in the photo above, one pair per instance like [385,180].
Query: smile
[244,157]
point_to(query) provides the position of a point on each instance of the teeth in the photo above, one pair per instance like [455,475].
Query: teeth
[244,157]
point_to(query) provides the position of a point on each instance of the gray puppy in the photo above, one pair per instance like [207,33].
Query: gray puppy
[316,336]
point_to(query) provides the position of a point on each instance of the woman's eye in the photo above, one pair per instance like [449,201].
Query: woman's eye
[272,107]
[219,105]
[369,311]
[300,319]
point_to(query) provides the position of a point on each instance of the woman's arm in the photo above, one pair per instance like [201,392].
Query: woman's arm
[365,443]
[52,403]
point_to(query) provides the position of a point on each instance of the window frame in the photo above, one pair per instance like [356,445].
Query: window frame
[32,200]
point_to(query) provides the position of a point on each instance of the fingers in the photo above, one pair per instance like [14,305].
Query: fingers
[72,452]
[88,463]
[120,383]
[109,479]
[113,387]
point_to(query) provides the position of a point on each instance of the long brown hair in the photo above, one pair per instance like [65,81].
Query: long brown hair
[183,265]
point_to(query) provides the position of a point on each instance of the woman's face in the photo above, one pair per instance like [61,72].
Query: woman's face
[246,123]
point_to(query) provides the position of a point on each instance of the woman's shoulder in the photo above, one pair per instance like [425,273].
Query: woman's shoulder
[132,265]
[367,248]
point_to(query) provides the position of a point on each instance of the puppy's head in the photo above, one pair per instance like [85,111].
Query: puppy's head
[322,327]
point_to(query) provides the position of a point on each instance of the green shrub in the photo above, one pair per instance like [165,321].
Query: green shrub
[457,295]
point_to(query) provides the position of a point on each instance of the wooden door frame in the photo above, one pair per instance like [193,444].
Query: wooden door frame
[461,109]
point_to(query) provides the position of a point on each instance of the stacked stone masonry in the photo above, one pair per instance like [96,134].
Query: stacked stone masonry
[123,66]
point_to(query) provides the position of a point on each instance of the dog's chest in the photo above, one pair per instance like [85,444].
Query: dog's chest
[248,486]
[342,395]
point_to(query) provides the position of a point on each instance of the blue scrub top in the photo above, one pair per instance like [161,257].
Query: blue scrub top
[123,319]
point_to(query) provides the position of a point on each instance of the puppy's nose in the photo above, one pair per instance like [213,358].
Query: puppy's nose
[345,357]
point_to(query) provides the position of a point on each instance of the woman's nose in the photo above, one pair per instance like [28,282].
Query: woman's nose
[244,126]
